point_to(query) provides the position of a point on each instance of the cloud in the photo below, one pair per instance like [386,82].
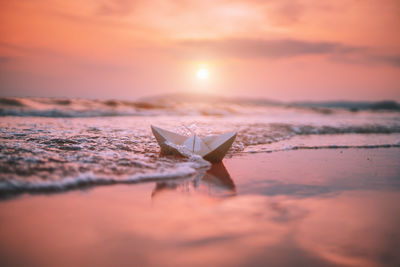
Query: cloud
[288,12]
[116,7]
[393,60]
[5,59]
[282,12]
[287,48]
[251,48]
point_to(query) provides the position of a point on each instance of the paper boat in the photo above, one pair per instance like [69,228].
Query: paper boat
[212,148]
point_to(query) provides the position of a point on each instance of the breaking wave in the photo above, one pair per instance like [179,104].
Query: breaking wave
[174,104]
[11,187]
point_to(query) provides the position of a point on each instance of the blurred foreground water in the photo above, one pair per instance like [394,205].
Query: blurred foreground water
[319,207]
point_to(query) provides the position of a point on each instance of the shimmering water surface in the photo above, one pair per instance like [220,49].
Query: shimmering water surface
[58,144]
[82,183]
[292,208]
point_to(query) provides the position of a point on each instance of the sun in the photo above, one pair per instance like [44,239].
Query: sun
[203,74]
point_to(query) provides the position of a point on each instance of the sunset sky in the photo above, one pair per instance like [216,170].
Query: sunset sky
[279,49]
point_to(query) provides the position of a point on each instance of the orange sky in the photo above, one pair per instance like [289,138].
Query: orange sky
[279,49]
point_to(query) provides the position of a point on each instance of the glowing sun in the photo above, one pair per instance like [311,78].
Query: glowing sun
[202,74]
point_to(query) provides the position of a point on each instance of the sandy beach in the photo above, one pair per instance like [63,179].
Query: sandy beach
[319,207]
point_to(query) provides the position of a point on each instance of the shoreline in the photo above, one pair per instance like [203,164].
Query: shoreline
[270,208]
[193,171]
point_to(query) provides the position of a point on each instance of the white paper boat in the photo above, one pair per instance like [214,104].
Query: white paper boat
[212,148]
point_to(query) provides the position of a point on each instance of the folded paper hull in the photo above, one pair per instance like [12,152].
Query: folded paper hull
[212,148]
[219,153]
[164,136]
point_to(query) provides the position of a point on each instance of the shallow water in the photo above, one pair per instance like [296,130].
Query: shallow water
[59,153]
[324,207]
[82,183]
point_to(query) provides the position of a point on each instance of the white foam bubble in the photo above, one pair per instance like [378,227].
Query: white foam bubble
[181,170]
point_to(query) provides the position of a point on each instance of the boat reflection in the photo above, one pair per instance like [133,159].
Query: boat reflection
[215,182]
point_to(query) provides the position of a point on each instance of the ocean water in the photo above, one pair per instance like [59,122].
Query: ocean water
[52,145]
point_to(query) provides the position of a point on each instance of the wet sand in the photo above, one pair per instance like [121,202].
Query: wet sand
[321,207]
